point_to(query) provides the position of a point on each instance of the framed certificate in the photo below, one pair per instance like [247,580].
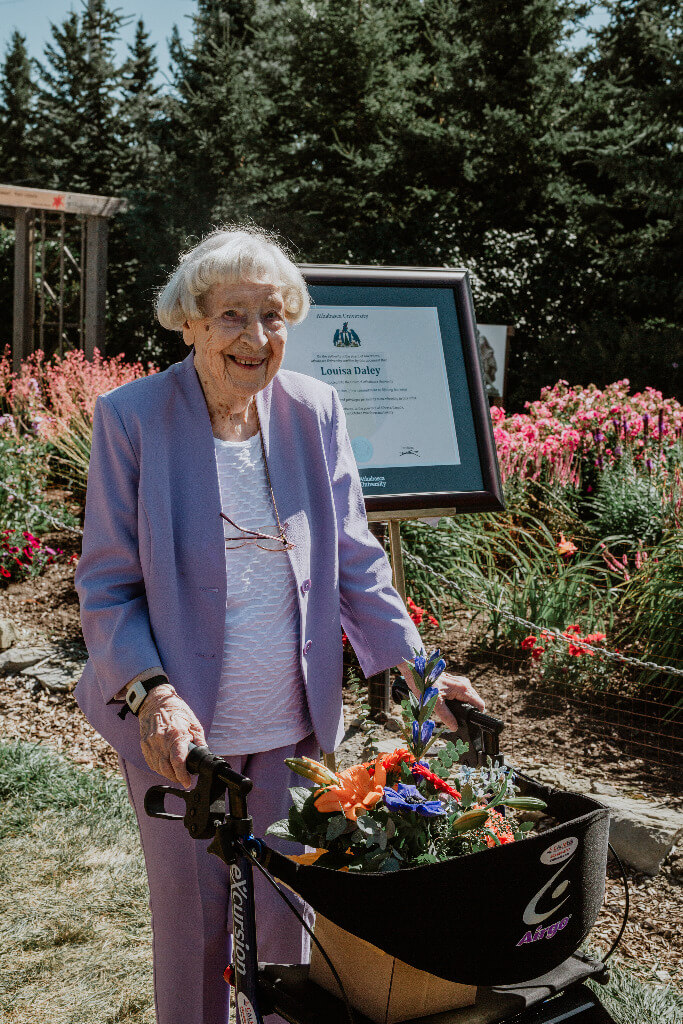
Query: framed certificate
[399,345]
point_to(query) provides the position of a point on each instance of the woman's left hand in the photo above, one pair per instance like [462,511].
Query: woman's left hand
[452,687]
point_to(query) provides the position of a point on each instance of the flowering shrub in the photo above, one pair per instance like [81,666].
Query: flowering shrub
[23,556]
[46,396]
[570,430]
[401,810]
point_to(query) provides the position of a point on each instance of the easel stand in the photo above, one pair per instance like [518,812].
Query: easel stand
[379,686]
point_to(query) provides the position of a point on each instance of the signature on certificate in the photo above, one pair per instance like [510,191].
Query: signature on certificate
[408,450]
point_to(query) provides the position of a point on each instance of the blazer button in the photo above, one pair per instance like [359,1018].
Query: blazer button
[305,586]
[307,646]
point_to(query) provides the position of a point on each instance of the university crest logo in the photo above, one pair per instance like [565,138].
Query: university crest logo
[346,337]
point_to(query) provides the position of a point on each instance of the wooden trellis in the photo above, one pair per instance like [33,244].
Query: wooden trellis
[58,287]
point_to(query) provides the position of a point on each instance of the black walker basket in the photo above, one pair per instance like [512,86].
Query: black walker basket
[509,919]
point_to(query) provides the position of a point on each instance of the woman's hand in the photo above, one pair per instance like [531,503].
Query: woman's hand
[453,687]
[167,727]
[450,687]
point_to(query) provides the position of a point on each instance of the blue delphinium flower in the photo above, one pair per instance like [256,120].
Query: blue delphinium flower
[420,664]
[408,798]
[427,730]
[430,692]
[436,671]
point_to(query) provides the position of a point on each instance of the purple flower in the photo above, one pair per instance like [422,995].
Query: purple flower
[430,692]
[409,798]
[420,664]
[436,671]
[427,730]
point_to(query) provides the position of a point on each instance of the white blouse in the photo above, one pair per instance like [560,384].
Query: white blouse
[261,702]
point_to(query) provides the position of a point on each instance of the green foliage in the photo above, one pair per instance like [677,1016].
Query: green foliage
[17,149]
[652,603]
[628,504]
[24,467]
[35,781]
[510,562]
[630,999]
[358,690]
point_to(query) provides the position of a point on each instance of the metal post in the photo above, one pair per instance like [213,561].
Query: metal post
[22,338]
[379,686]
[397,557]
[95,284]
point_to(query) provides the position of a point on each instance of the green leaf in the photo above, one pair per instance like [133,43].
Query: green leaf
[297,826]
[281,830]
[461,748]
[466,796]
[336,826]
[299,795]
[430,705]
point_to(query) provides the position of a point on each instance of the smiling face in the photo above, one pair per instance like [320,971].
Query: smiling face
[240,341]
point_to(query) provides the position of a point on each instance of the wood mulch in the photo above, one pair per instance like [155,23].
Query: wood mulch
[540,729]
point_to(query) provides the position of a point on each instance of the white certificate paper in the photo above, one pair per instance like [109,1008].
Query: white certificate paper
[388,366]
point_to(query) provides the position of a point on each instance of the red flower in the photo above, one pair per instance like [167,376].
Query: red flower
[528,643]
[437,783]
[390,762]
[5,572]
[538,653]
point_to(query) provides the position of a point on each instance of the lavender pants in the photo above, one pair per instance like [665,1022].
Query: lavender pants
[189,894]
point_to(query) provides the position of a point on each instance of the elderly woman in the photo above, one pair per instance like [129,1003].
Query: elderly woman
[225,546]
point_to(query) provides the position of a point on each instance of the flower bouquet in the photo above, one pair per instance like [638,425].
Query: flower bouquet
[412,807]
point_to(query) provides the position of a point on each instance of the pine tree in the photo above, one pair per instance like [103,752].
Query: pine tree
[77,135]
[622,172]
[139,244]
[214,112]
[17,115]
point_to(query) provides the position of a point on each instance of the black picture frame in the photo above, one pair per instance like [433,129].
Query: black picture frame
[331,284]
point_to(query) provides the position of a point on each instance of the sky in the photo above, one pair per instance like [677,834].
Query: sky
[33,18]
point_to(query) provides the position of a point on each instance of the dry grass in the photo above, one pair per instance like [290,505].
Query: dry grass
[75,937]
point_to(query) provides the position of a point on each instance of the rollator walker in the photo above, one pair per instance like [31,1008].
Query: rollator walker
[486,919]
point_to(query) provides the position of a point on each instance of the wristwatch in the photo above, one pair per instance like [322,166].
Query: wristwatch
[137,693]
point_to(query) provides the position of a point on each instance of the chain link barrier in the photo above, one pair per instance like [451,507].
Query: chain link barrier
[552,633]
[461,591]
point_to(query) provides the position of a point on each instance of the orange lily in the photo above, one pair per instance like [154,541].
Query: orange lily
[357,792]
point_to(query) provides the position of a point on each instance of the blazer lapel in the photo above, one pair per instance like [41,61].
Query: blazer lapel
[285,466]
[197,480]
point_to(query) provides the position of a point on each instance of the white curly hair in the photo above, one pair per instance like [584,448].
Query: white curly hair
[228,255]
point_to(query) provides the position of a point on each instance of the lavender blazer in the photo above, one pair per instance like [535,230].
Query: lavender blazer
[151,578]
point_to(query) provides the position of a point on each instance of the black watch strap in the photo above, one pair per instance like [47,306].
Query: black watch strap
[137,693]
